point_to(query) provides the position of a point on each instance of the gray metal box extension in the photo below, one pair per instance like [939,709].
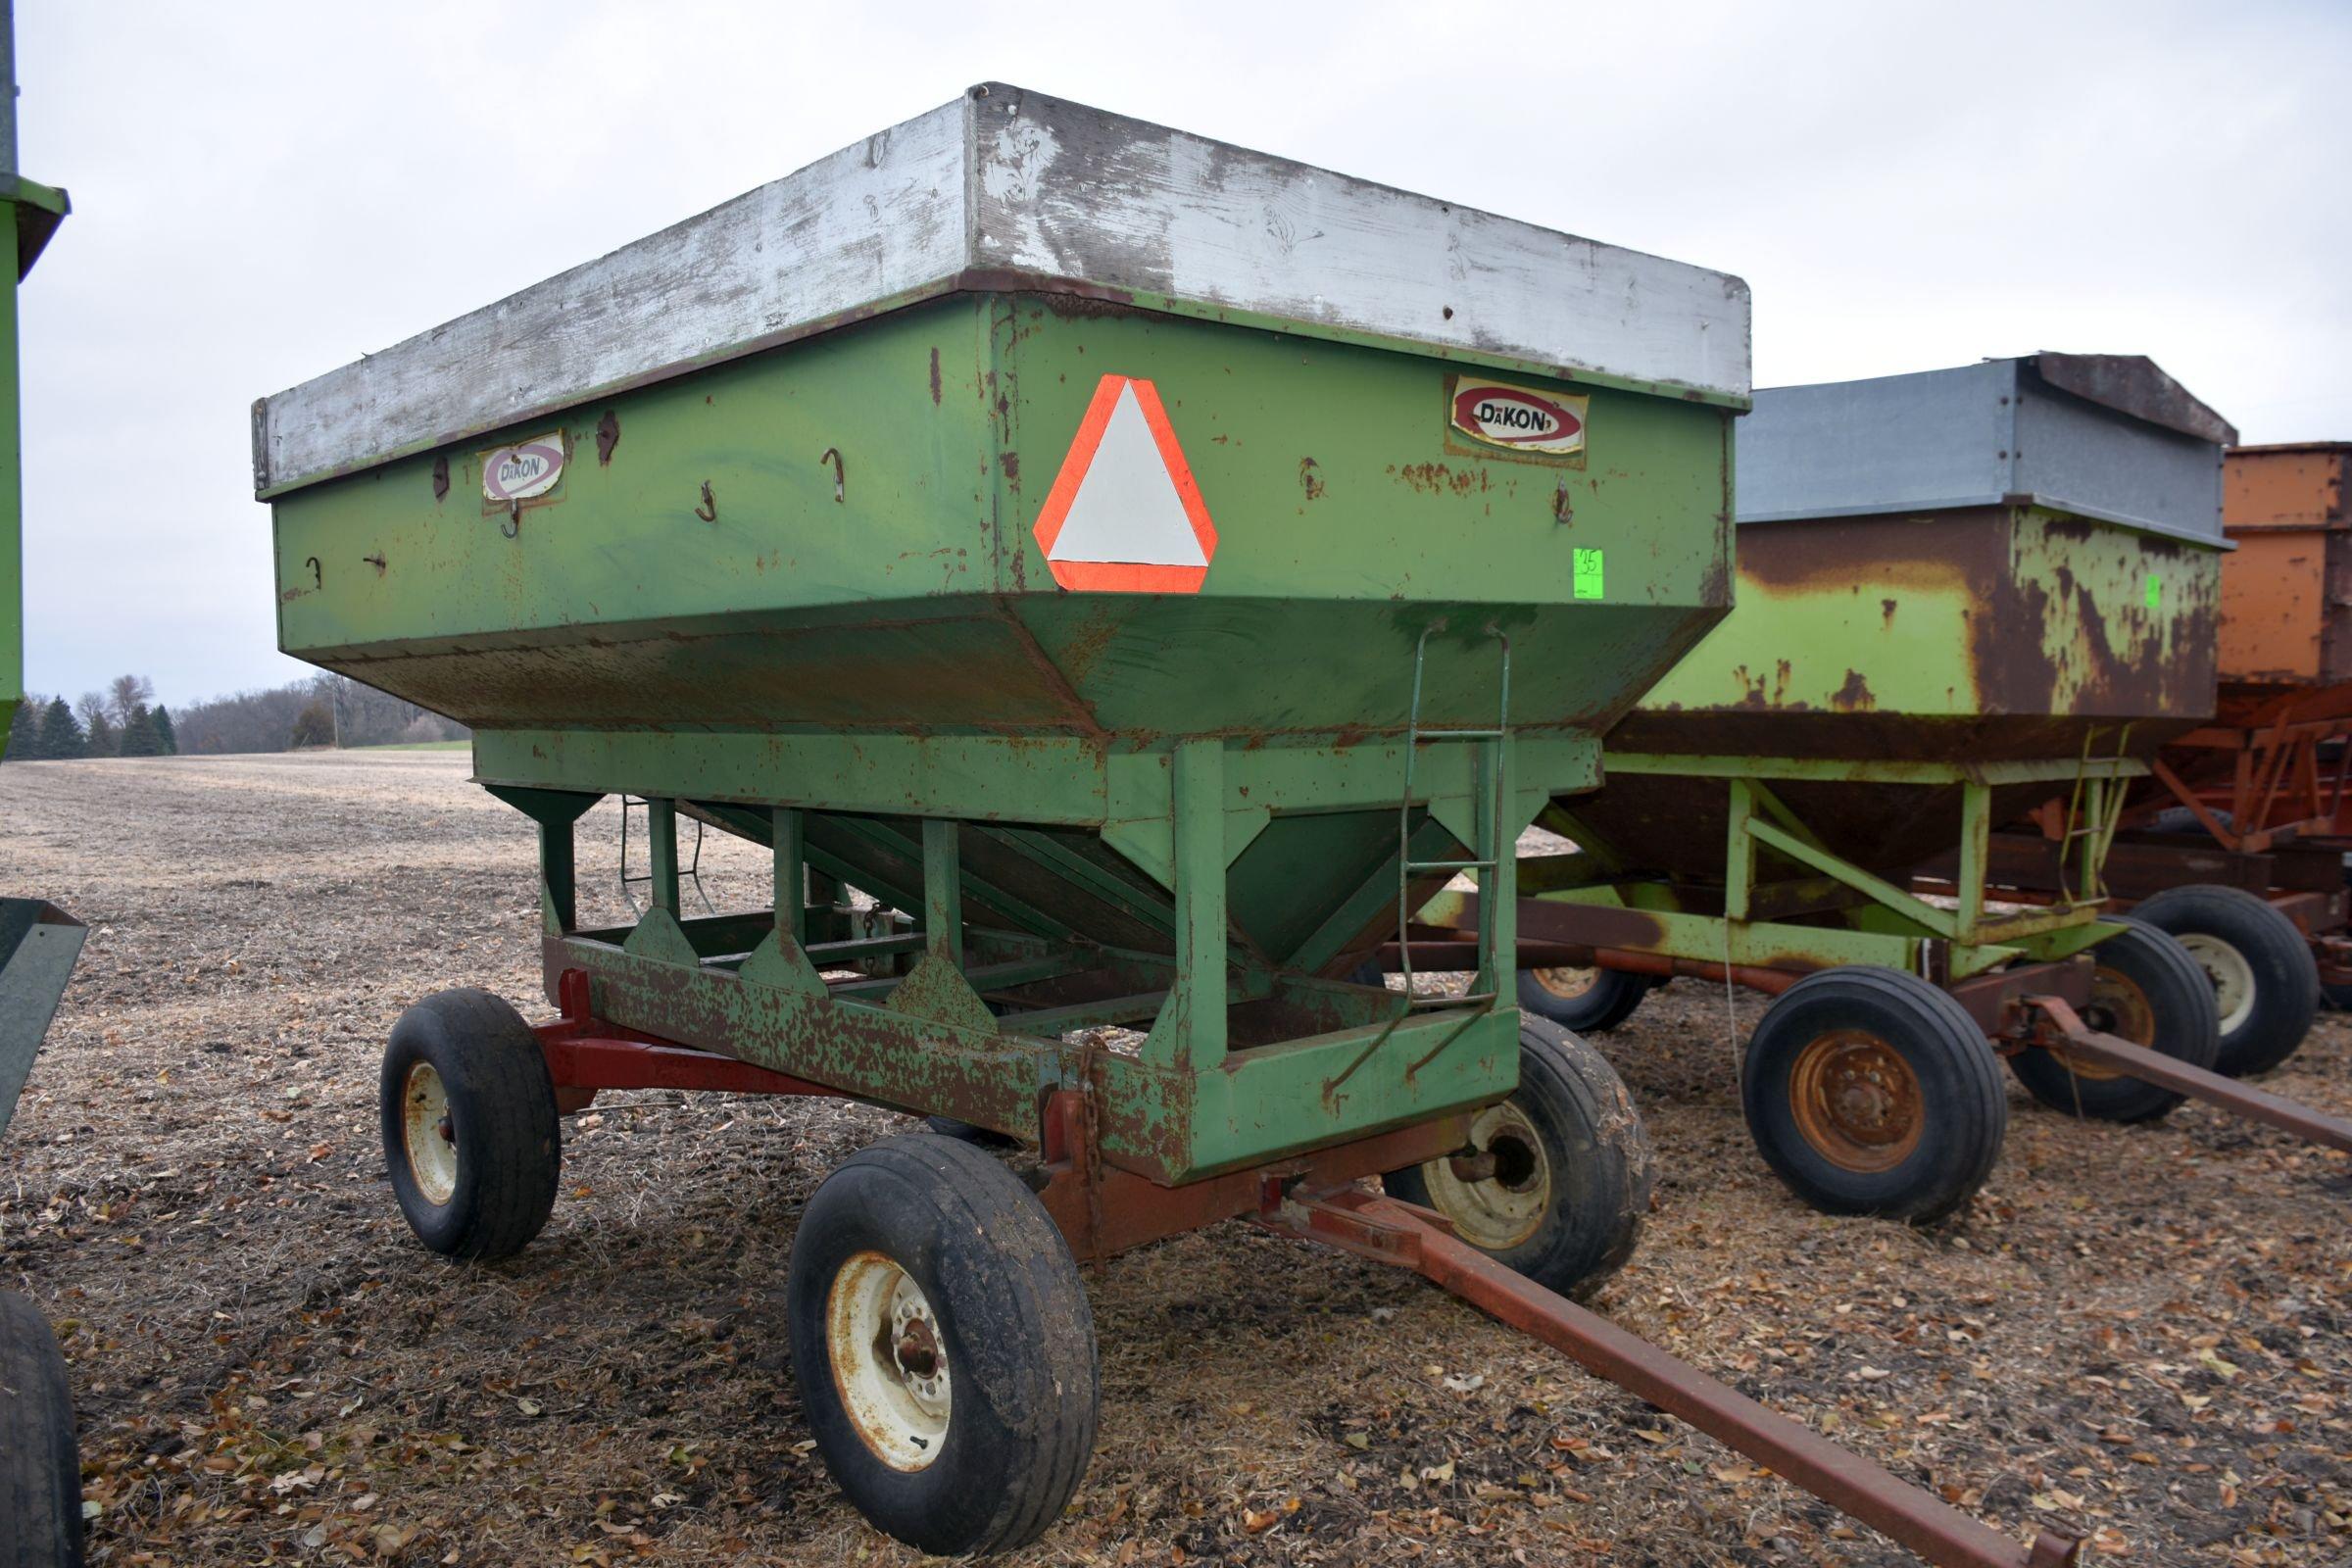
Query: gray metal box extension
[2101,435]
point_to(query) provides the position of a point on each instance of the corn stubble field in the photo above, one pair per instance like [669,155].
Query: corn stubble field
[2141,1333]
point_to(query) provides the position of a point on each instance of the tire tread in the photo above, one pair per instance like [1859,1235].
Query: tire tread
[40,1467]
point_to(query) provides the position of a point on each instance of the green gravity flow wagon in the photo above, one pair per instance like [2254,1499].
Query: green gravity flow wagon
[1051,538]
[1116,576]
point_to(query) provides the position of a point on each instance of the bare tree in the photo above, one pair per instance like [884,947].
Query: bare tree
[127,693]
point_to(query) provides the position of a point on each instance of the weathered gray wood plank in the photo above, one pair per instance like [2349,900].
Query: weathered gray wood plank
[1002,180]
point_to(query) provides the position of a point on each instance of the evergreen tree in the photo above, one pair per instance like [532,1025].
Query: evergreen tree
[103,737]
[139,738]
[24,731]
[61,733]
[162,730]
[313,727]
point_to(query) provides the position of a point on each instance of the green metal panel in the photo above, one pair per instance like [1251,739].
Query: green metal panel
[38,942]
[919,602]
[855,628]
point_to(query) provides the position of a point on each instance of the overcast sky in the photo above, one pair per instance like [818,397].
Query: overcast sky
[263,191]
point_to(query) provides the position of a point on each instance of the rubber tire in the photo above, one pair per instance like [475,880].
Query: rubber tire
[40,1469]
[1590,1132]
[1612,999]
[978,1136]
[501,1112]
[1014,1325]
[1963,1106]
[2187,1029]
[2286,977]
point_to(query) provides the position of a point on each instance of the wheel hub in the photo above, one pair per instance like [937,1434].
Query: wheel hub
[889,1361]
[1498,1193]
[1567,984]
[427,1135]
[1857,1102]
[2118,1007]
[2231,975]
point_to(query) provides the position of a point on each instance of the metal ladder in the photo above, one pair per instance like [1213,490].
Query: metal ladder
[692,871]
[2093,811]
[1486,855]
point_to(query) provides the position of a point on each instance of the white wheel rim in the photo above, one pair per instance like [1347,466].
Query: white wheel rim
[2231,975]
[427,1136]
[890,1362]
[1502,1211]
[1567,984]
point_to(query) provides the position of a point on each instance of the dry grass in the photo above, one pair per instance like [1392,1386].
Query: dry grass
[2140,1331]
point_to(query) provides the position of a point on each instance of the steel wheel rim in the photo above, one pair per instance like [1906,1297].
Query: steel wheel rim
[1567,984]
[2118,1006]
[1857,1101]
[427,1137]
[1504,1211]
[889,1360]
[2231,975]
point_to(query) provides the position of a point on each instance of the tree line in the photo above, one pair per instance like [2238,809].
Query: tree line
[126,721]
[123,720]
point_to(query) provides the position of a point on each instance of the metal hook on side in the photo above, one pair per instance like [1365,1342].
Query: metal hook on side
[708,509]
[840,473]
[512,523]
[318,574]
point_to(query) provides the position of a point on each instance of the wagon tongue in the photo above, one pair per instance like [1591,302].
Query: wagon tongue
[1382,1228]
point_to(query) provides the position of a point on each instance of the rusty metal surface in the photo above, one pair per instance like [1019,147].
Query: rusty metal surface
[2134,384]
[1978,640]
[1990,999]
[582,1057]
[1102,1210]
[1383,1229]
[2287,591]
[2061,1029]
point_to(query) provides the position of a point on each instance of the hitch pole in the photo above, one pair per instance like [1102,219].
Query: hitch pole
[1390,1232]
[2078,1039]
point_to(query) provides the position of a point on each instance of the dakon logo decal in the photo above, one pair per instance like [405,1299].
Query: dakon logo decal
[1519,418]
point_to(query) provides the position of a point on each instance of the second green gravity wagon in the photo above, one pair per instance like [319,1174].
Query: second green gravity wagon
[1116,574]
[1963,595]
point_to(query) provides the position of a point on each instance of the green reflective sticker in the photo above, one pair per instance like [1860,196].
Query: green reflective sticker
[2155,592]
[1588,574]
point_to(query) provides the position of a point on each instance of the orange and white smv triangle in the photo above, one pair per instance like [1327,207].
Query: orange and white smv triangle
[1124,515]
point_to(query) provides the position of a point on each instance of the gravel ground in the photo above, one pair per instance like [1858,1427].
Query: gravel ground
[2137,1332]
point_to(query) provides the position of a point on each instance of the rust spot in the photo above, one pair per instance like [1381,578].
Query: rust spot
[1886,613]
[935,377]
[607,436]
[1010,462]
[1086,647]
[1435,478]
[1309,481]
[1854,696]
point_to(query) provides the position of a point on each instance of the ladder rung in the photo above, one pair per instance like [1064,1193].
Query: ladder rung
[1458,734]
[1411,866]
[1421,1004]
